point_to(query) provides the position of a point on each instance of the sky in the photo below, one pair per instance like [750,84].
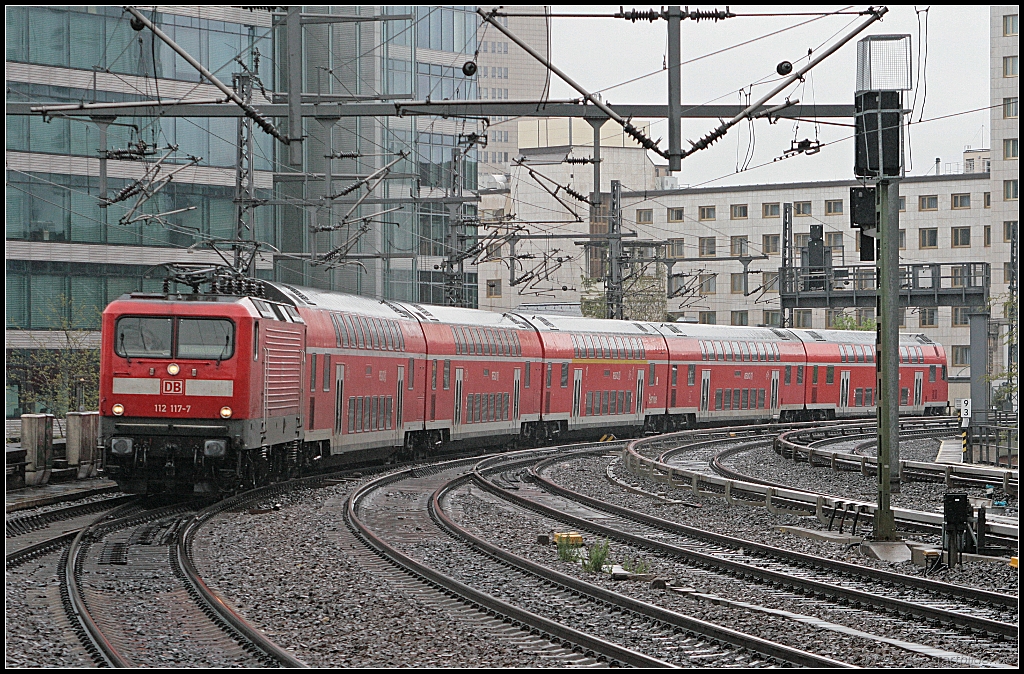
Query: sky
[602,52]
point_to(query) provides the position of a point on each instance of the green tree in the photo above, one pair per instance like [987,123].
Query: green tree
[58,363]
[846,322]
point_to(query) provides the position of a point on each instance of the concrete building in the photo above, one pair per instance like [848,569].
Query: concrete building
[1005,125]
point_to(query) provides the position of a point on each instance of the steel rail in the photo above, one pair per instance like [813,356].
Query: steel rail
[18,526]
[706,629]
[801,558]
[740,568]
[95,639]
[485,602]
[680,477]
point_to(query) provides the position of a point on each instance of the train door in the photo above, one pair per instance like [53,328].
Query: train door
[774,396]
[457,409]
[339,407]
[918,386]
[640,395]
[399,407]
[577,387]
[704,412]
[515,395]
[844,390]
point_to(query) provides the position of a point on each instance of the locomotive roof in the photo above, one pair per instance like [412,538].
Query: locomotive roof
[462,316]
[332,300]
[859,337]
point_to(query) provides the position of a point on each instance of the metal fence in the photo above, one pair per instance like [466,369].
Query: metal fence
[995,444]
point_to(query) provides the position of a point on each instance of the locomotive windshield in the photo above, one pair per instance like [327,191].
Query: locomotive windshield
[154,337]
[138,337]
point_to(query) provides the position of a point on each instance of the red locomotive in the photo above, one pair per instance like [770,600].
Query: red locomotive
[218,391]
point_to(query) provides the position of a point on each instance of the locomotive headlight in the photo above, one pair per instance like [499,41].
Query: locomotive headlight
[173,369]
[225,412]
[121,446]
[215,448]
[117,409]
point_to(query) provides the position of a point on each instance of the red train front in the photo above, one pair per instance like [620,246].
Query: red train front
[182,386]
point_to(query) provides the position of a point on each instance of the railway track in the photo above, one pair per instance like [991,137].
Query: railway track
[404,518]
[860,590]
[685,460]
[140,553]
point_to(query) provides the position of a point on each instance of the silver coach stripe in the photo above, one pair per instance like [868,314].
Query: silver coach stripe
[136,386]
[209,387]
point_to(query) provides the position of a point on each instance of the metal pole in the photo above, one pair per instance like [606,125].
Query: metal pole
[675,107]
[787,258]
[615,260]
[245,185]
[293,31]
[979,319]
[887,356]
[595,200]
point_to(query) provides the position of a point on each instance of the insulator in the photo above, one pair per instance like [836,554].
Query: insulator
[713,14]
[578,160]
[167,286]
[635,15]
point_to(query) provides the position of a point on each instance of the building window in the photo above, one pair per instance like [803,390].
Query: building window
[738,245]
[707,284]
[770,280]
[706,317]
[1009,230]
[830,317]
[903,204]
[988,236]
[834,207]
[802,318]
[773,318]
[962,356]
[1009,24]
[1010,190]
[801,208]
[800,241]
[770,244]
[929,317]
[707,246]
[675,215]
[960,318]
[928,202]
[1009,66]
[864,317]
[738,212]
[736,284]
[903,239]
[676,249]
[959,276]
[901,317]
[494,287]
[707,213]
[1010,108]
[1010,148]
[644,216]
[961,237]
[930,238]
[987,201]
[738,318]
[961,201]
[770,210]
[834,241]
[1007,272]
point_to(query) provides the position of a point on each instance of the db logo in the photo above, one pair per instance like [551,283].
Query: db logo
[172,386]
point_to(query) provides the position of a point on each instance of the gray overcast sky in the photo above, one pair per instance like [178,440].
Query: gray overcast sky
[599,53]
